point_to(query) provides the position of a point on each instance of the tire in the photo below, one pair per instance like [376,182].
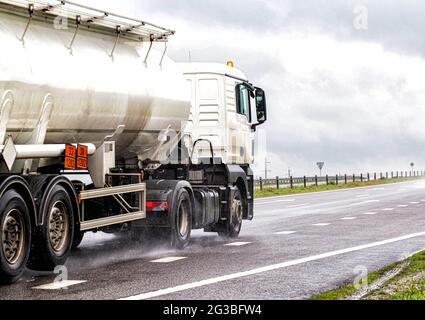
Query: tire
[15,226]
[50,248]
[181,220]
[78,238]
[233,224]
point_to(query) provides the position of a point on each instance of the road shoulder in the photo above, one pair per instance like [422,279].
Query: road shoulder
[404,280]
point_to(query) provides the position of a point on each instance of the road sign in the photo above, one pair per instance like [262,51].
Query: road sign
[320,165]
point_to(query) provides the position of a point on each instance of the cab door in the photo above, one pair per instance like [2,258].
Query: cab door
[240,123]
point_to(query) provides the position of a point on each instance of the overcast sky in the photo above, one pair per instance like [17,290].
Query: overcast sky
[345,79]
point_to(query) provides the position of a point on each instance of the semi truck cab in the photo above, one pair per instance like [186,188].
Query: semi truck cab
[218,140]
[226,108]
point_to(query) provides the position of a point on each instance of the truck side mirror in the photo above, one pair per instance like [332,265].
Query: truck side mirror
[261,105]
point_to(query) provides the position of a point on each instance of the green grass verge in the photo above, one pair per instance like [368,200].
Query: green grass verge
[270,192]
[409,284]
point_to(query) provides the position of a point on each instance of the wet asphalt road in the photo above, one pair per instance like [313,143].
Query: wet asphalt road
[297,246]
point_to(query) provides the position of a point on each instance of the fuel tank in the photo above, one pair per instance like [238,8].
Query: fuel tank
[52,93]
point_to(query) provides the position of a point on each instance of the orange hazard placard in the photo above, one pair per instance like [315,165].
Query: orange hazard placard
[69,163]
[82,163]
[76,158]
[82,151]
[70,151]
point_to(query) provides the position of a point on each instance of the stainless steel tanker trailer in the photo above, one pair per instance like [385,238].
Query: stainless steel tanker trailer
[101,131]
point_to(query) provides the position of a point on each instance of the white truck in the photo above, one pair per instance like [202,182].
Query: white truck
[101,131]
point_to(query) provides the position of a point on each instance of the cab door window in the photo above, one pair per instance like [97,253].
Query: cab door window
[243,101]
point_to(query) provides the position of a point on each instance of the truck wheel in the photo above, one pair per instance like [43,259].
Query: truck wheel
[15,237]
[53,240]
[234,222]
[78,238]
[181,226]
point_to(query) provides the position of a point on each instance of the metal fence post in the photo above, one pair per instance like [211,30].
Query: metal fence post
[392,175]
[316,180]
[345,179]
[277,183]
[327,180]
[305,182]
[368,177]
[336,180]
[261,184]
[374,176]
[291,182]
[354,177]
[386,175]
[361,177]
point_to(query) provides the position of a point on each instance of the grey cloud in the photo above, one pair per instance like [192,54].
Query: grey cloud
[396,24]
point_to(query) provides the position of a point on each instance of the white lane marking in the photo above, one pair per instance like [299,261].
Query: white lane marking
[423,200]
[328,204]
[278,201]
[168,259]
[297,206]
[403,205]
[377,189]
[237,244]
[369,213]
[363,202]
[362,196]
[321,224]
[388,209]
[58,285]
[273,267]
[349,218]
[414,202]
[285,233]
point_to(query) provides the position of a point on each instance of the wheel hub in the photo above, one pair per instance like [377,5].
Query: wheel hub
[13,230]
[58,226]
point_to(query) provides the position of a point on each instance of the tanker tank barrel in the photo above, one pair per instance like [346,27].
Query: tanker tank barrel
[89,103]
